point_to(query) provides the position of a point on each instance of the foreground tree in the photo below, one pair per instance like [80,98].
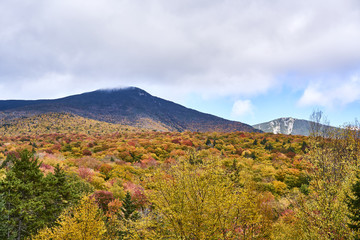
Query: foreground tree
[21,191]
[31,200]
[353,202]
[79,222]
[323,213]
[199,201]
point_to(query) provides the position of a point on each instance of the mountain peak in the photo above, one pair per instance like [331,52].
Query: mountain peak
[287,125]
[130,106]
[121,90]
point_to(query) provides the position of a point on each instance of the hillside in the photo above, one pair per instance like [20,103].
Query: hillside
[130,106]
[288,126]
[58,123]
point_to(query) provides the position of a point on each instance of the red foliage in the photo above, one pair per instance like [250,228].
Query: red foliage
[114,206]
[137,193]
[45,168]
[56,147]
[242,135]
[85,173]
[105,168]
[13,153]
[149,162]
[187,143]
[239,151]
[290,154]
[170,160]
[103,198]
[49,151]
[87,152]
[177,141]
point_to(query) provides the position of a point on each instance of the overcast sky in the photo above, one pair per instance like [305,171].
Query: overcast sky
[246,60]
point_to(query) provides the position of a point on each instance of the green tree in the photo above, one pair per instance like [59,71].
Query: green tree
[58,193]
[128,208]
[32,200]
[4,228]
[21,191]
[353,203]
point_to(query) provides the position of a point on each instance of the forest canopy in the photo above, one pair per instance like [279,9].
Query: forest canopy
[138,184]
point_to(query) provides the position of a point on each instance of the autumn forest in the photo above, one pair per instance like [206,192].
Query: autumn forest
[67,177]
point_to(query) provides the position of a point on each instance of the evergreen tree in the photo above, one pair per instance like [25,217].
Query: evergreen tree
[354,206]
[128,208]
[4,228]
[304,146]
[58,194]
[33,201]
[21,191]
[269,147]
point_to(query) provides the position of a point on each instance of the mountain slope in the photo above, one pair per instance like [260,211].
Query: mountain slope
[59,123]
[288,126]
[131,106]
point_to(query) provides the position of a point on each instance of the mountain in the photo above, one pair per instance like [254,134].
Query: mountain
[288,126]
[129,106]
[64,123]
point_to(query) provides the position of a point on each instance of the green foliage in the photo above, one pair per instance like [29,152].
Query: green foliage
[353,203]
[128,208]
[32,200]
[20,190]
[5,230]
[269,147]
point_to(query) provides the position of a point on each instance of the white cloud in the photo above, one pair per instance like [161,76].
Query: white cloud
[209,47]
[332,93]
[242,108]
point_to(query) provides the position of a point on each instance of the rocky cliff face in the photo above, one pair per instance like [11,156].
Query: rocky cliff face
[287,126]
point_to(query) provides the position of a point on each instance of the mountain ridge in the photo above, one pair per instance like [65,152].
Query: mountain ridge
[288,125]
[129,106]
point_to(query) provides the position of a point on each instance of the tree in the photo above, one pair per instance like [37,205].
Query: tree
[32,200]
[200,201]
[83,221]
[353,203]
[4,228]
[103,198]
[128,208]
[21,191]
[59,192]
[323,213]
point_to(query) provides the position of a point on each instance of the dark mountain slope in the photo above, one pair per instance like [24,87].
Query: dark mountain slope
[130,106]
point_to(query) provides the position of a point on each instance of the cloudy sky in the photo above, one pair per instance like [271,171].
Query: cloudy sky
[246,60]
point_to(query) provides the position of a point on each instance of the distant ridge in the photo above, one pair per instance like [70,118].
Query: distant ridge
[129,106]
[288,125]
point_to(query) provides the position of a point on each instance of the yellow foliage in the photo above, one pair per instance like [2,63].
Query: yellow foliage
[280,187]
[201,202]
[80,222]
[98,182]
